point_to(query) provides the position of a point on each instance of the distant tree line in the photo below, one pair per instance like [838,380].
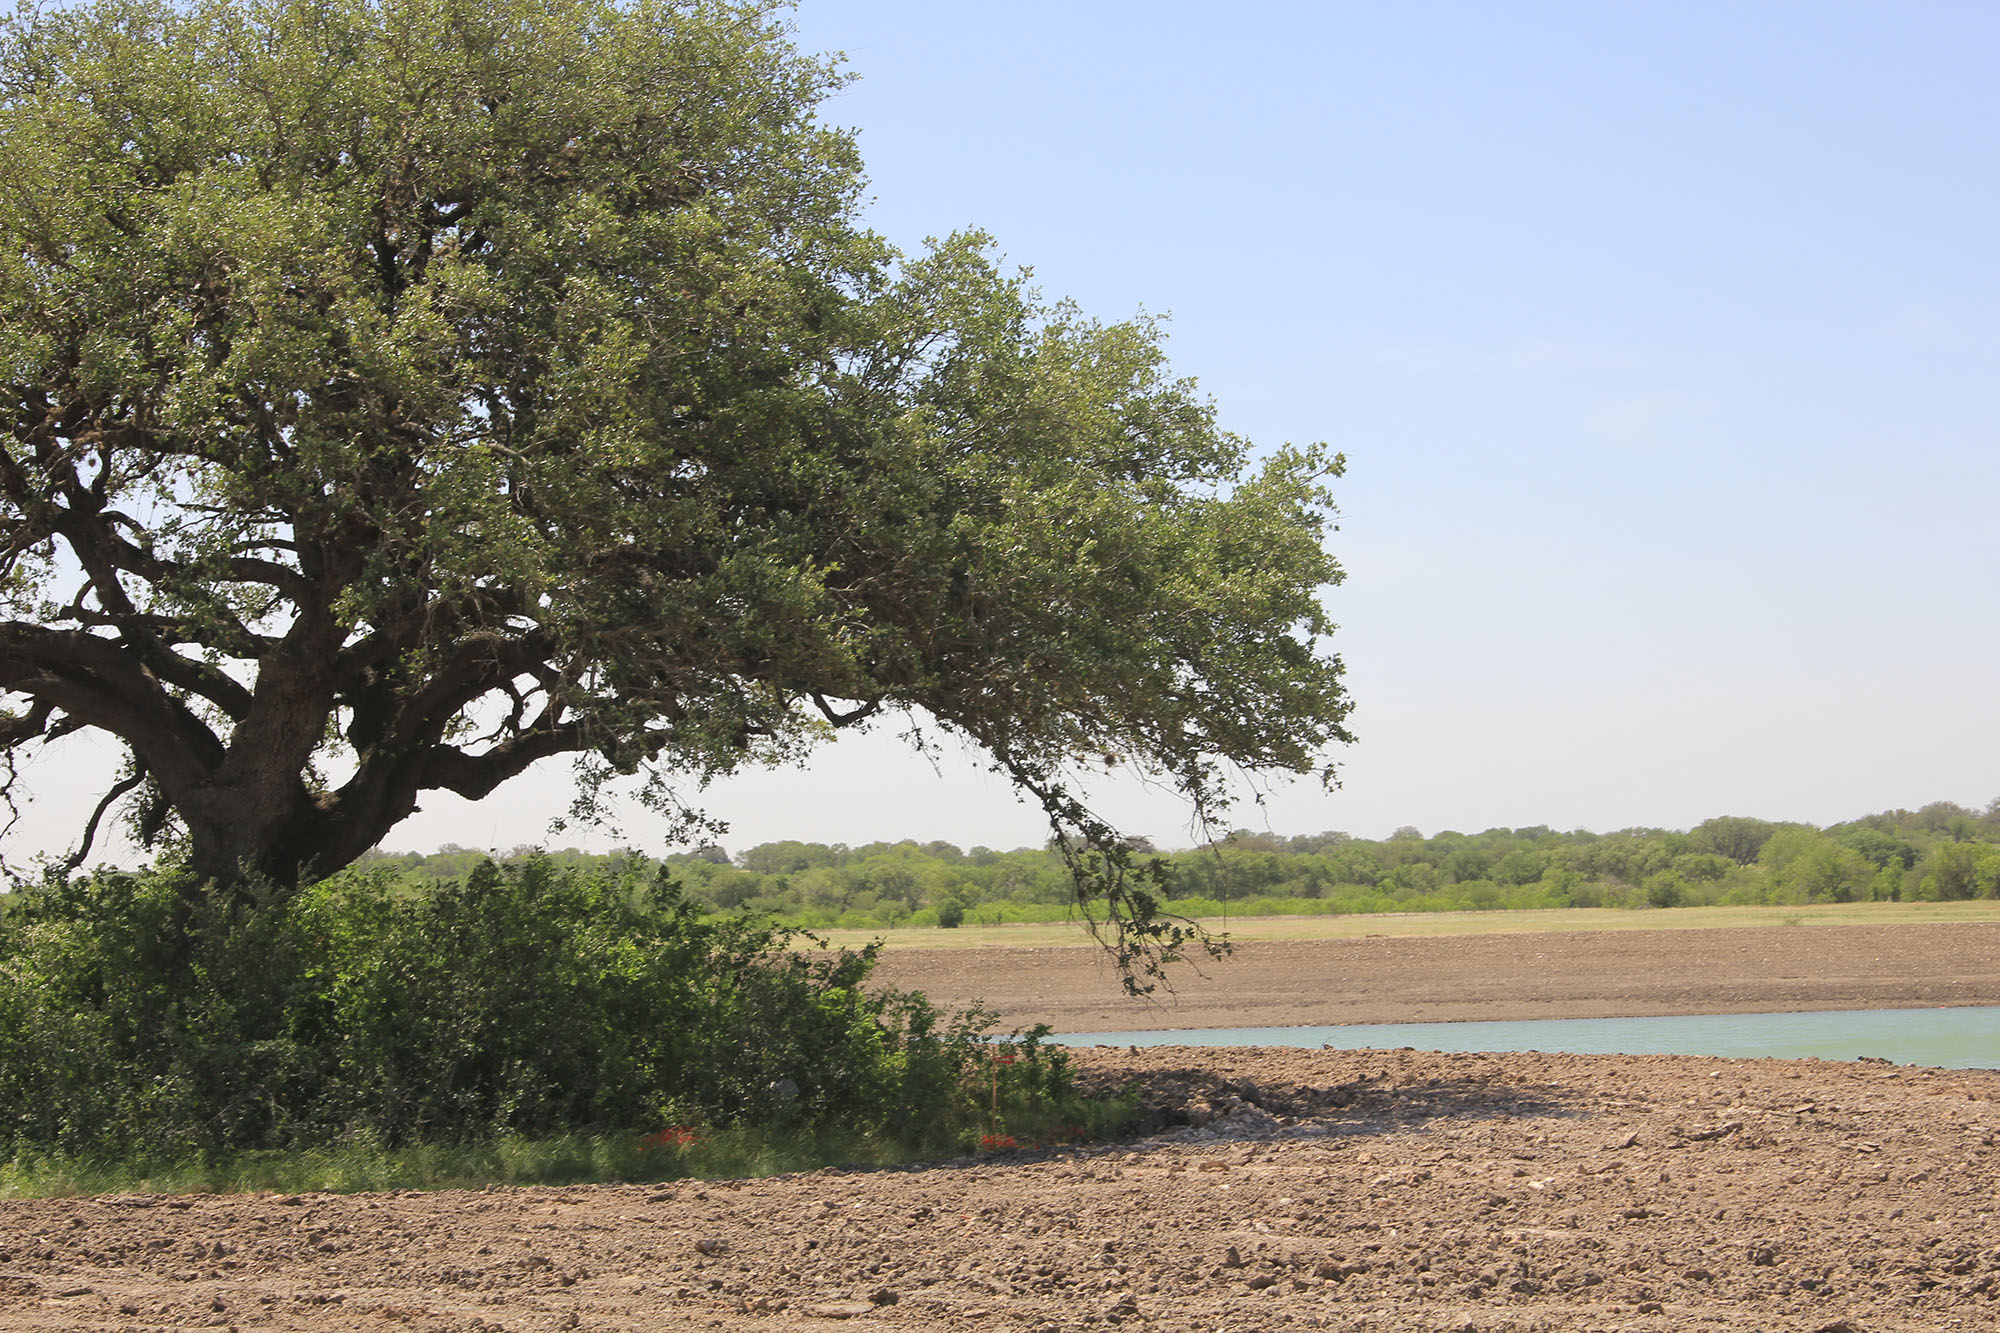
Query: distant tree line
[1941,852]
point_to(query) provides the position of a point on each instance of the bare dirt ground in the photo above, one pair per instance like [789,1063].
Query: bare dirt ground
[1279,1189]
[1586,974]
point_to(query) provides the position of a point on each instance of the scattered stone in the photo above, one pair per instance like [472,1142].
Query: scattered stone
[711,1246]
[838,1309]
[883,1296]
[1720,1131]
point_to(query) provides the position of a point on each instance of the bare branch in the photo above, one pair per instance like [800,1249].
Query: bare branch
[118,789]
[849,717]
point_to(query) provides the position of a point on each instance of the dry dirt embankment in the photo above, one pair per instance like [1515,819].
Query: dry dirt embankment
[1281,1189]
[1590,974]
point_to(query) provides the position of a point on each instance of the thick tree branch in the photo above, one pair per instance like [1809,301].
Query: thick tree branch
[98,684]
[19,729]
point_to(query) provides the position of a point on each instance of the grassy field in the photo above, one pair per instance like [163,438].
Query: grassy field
[1451,923]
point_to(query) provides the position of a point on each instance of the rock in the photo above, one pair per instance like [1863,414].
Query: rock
[711,1246]
[1727,1127]
[883,1296]
[838,1309]
[1763,1256]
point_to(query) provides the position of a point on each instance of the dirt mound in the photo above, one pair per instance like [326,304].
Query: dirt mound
[1287,1189]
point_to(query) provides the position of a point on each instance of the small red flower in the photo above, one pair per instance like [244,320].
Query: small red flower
[997,1142]
[673,1136]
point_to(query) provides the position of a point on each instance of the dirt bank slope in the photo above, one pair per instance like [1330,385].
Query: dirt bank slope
[1346,1190]
[1592,974]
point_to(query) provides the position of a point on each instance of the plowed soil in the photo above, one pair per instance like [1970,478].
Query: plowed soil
[1276,1189]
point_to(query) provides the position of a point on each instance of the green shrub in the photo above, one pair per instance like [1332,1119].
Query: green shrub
[530,1000]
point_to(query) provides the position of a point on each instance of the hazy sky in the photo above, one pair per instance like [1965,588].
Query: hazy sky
[1663,341]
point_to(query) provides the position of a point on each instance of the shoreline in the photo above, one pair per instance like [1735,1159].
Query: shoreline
[1159,1032]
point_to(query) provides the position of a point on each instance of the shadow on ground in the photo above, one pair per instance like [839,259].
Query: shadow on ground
[1197,1098]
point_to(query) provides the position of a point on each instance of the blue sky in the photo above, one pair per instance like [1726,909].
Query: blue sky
[1663,341]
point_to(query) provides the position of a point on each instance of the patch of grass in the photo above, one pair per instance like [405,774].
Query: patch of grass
[1526,921]
[569,1159]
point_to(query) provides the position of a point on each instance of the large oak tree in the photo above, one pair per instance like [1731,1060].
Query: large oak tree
[397,393]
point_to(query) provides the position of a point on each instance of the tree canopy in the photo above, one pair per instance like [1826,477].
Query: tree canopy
[397,393]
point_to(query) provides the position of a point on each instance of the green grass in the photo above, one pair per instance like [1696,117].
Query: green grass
[347,1168]
[1526,921]
[572,1159]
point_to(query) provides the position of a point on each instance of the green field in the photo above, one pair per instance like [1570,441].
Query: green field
[1450,923]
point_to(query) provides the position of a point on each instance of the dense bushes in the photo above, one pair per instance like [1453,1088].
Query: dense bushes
[1942,851]
[530,999]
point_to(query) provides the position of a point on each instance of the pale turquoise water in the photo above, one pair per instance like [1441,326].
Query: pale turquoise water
[1959,1038]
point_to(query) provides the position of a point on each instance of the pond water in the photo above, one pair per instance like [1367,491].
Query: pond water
[1955,1038]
